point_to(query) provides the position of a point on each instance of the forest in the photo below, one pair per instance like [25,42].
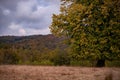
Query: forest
[41,50]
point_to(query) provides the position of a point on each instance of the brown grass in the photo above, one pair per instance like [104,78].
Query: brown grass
[16,72]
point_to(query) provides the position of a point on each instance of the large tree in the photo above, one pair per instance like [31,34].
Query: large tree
[92,28]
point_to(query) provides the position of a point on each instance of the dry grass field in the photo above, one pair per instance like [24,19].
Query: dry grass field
[18,72]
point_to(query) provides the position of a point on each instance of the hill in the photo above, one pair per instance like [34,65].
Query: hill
[31,42]
[30,49]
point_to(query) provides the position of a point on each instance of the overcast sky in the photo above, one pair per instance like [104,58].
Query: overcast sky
[27,17]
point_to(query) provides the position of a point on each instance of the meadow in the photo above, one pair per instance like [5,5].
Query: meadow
[27,72]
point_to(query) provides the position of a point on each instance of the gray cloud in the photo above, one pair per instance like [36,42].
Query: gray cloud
[26,17]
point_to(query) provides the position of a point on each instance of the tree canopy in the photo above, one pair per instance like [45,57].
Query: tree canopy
[91,26]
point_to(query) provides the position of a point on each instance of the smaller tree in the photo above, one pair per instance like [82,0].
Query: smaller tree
[8,56]
[60,57]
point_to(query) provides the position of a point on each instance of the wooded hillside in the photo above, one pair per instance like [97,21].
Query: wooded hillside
[36,49]
[40,50]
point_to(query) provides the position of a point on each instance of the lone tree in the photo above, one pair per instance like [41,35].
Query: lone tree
[92,28]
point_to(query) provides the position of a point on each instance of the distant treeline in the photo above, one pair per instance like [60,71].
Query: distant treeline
[41,50]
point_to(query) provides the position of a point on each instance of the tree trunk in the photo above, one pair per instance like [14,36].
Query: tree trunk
[100,63]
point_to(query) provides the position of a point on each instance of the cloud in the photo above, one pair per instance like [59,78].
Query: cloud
[6,12]
[35,13]
[22,32]
[14,26]
[27,17]
[39,31]
[24,8]
[17,28]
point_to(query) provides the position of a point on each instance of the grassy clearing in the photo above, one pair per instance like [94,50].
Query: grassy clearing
[23,72]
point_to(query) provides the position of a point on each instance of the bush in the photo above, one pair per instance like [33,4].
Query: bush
[114,63]
[61,59]
[86,63]
[8,56]
[43,62]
